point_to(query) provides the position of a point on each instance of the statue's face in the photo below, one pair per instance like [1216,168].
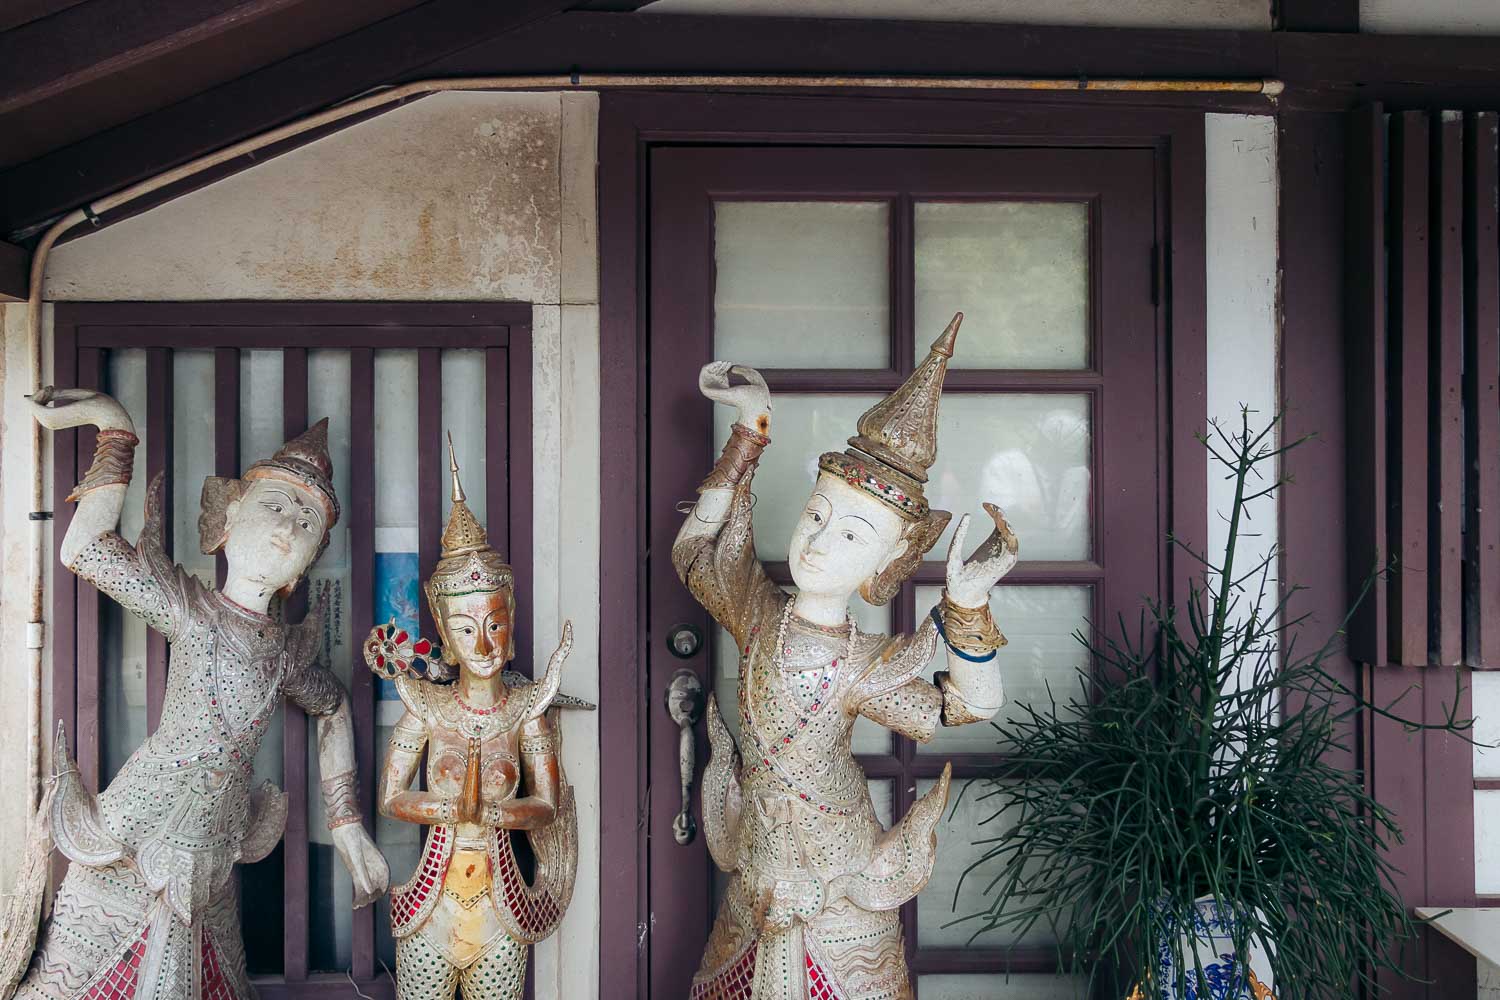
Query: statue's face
[843,538]
[274,531]
[476,630]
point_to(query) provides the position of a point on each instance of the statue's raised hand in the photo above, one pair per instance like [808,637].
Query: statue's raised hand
[970,580]
[59,409]
[750,397]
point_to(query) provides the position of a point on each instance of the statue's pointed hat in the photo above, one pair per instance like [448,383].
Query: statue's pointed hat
[304,460]
[468,563]
[896,441]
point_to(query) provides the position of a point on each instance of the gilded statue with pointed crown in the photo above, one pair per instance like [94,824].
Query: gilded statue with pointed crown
[811,908]
[149,909]
[493,741]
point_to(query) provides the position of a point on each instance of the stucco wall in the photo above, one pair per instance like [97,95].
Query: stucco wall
[458,197]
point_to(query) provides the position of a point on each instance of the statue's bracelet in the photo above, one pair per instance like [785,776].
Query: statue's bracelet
[937,619]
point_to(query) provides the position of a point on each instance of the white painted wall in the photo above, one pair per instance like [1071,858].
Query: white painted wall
[1430,17]
[1243,331]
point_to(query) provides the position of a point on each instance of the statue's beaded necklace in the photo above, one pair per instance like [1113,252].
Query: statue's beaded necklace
[828,676]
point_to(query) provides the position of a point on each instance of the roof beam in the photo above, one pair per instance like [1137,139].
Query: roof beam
[1316,15]
[34,191]
[89,41]
[15,273]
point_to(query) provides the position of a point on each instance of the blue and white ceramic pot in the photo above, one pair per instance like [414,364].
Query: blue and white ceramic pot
[1226,975]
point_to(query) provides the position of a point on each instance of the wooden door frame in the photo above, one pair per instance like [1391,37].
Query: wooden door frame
[629,126]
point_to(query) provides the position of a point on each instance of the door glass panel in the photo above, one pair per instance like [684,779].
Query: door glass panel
[1019,273]
[868,737]
[802,284]
[953,986]
[808,425]
[463,417]
[1042,624]
[957,834]
[1026,452]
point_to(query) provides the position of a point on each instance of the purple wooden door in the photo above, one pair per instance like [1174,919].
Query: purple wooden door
[831,270]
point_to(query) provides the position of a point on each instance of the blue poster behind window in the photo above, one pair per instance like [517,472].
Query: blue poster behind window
[397,591]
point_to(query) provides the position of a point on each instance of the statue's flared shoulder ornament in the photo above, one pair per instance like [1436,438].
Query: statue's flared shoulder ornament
[816,883]
[493,740]
[149,907]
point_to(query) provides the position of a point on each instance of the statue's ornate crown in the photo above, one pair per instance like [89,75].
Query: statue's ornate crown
[304,460]
[896,441]
[469,564]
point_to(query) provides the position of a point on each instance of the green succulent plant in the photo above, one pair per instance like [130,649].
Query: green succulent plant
[1198,758]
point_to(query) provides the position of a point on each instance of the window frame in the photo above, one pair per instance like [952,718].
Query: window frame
[82,334]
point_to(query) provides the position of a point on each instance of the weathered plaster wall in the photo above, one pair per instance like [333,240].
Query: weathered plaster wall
[459,197]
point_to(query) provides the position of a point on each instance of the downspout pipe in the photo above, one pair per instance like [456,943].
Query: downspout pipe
[36,625]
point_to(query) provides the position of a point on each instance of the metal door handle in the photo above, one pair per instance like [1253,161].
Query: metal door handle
[685,706]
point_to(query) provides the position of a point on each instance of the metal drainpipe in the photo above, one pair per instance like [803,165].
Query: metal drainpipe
[36,626]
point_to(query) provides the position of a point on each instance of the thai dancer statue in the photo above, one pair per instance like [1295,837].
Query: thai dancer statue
[811,908]
[149,908]
[467,915]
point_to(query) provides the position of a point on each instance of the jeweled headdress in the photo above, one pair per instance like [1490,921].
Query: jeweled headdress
[468,564]
[303,461]
[897,440]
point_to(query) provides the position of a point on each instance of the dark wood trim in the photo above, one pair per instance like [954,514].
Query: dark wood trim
[361,513]
[1311,150]
[1365,389]
[1445,395]
[296,851]
[91,41]
[248,316]
[1482,390]
[275,337]
[15,273]
[1407,378]
[88,621]
[19,12]
[519,428]
[158,463]
[623,878]
[1315,15]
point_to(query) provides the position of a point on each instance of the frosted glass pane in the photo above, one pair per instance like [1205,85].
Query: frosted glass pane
[1018,271]
[802,284]
[1486,695]
[260,435]
[1000,987]
[868,736]
[192,455]
[122,648]
[956,835]
[1041,624]
[1026,452]
[802,428]
[396,443]
[463,417]
[329,579]
[1487,842]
